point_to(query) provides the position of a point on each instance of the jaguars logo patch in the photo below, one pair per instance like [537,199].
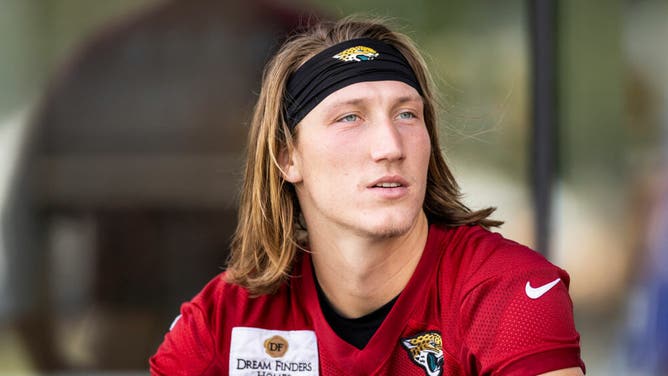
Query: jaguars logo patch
[426,350]
[357,53]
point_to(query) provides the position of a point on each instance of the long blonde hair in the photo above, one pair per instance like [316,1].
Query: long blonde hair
[266,239]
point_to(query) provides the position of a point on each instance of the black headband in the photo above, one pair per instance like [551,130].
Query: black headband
[349,62]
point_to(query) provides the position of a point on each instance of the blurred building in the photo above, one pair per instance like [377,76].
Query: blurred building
[125,196]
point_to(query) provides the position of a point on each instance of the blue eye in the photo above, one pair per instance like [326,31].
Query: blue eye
[406,115]
[349,118]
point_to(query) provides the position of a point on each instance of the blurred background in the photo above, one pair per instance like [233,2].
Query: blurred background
[122,129]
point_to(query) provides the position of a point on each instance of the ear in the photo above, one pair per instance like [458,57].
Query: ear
[290,166]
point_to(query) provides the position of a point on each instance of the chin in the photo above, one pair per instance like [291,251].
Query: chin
[385,232]
[389,229]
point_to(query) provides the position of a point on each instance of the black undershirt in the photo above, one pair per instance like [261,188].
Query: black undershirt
[356,332]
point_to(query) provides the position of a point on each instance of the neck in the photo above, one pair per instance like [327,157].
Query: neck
[360,274]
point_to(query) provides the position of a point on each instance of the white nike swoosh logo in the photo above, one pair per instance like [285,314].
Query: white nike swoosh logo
[535,293]
[174,322]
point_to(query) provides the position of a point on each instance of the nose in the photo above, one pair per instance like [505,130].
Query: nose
[386,142]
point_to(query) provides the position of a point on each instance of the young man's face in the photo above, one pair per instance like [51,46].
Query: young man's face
[360,160]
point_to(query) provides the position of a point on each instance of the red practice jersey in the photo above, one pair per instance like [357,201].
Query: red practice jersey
[477,304]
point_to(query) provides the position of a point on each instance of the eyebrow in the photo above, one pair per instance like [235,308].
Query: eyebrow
[357,101]
[410,98]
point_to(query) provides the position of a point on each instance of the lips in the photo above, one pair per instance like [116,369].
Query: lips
[389,182]
[387,185]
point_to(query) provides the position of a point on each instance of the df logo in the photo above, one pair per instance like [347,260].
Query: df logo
[276,346]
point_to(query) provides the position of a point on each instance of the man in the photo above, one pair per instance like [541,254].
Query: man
[353,254]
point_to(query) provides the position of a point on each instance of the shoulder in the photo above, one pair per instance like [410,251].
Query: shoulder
[189,345]
[477,255]
[512,305]
[480,244]
[225,304]
[194,342]
[216,292]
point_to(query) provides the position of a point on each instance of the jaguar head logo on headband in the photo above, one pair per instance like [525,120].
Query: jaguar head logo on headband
[357,53]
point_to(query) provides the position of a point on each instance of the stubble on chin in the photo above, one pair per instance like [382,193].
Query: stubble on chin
[386,231]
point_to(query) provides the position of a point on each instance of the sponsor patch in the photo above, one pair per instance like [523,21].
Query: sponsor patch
[264,352]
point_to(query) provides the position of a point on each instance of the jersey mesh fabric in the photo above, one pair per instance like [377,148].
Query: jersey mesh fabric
[469,287]
[503,321]
[501,325]
[187,348]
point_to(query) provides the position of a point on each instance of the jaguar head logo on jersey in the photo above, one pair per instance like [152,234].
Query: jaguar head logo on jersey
[426,350]
[357,53]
